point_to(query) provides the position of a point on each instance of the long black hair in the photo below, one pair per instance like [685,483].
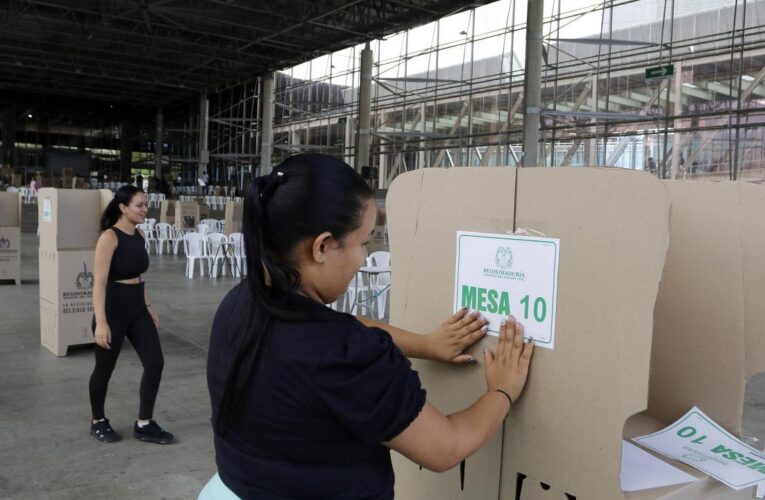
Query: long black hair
[112,212]
[304,196]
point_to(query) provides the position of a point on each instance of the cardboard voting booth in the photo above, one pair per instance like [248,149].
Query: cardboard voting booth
[233,218]
[181,214]
[566,431]
[708,321]
[702,341]
[69,230]
[187,215]
[167,211]
[10,237]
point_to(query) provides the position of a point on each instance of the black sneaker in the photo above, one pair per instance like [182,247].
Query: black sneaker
[104,432]
[152,433]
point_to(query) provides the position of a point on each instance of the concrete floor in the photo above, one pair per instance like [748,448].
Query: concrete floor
[45,449]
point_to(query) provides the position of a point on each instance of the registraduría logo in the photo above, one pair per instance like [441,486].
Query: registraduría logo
[84,278]
[504,258]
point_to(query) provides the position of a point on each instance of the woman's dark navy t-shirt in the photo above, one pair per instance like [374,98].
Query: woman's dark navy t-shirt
[323,397]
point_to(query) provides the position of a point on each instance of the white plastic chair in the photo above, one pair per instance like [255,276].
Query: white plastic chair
[164,232]
[220,201]
[147,235]
[357,294]
[152,199]
[203,229]
[160,199]
[177,239]
[215,252]
[194,246]
[212,224]
[221,225]
[12,190]
[380,284]
[237,247]
[151,223]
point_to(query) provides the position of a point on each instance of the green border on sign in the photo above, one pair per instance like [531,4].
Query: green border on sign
[755,452]
[515,238]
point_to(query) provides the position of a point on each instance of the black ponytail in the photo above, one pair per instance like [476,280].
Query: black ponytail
[112,212]
[303,197]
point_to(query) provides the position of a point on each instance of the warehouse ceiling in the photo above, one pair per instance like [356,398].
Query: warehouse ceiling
[153,52]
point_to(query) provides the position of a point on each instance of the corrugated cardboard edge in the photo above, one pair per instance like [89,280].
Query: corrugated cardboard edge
[425,209]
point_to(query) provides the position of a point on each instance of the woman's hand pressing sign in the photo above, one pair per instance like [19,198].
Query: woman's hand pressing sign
[507,370]
[450,340]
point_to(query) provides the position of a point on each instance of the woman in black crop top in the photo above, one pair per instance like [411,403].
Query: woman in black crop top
[122,309]
[306,401]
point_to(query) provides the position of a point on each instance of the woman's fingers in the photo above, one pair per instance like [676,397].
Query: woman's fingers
[454,318]
[517,348]
[528,350]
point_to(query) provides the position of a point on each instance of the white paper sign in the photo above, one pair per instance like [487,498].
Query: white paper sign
[642,471]
[47,210]
[501,274]
[698,441]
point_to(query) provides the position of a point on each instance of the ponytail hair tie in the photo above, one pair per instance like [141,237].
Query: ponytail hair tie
[270,182]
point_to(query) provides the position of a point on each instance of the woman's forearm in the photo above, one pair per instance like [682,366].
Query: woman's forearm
[99,301]
[411,344]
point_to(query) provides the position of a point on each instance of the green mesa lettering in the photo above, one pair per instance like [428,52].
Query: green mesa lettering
[739,458]
[486,300]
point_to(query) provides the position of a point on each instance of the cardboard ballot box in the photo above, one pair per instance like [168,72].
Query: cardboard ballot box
[187,215]
[69,219]
[233,219]
[66,298]
[10,237]
[566,430]
[181,214]
[167,211]
[69,230]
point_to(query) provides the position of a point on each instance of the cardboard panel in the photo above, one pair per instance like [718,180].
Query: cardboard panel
[753,225]
[234,213]
[10,253]
[187,214]
[66,298]
[425,209]
[10,209]
[167,211]
[613,227]
[68,219]
[699,345]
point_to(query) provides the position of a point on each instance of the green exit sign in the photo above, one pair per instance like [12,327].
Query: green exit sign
[659,72]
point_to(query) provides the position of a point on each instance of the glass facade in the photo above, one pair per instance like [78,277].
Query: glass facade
[450,93]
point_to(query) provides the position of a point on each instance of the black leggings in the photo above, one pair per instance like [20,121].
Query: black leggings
[127,316]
